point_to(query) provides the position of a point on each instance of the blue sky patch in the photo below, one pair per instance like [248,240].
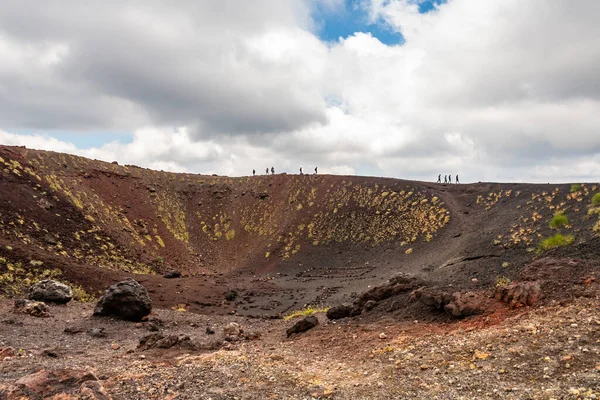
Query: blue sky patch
[86,140]
[353,17]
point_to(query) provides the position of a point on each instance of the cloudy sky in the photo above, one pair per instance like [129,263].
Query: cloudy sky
[494,90]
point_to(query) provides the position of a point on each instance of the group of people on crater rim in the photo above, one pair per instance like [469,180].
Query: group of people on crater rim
[273,171]
[447,179]
[303,174]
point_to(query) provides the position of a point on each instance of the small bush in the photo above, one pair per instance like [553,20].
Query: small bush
[502,281]
[559,220]
[230,234]
[79,294]
[305,312]
[576,187]
[181,307]
[231,295]
[596,200]
[557,240]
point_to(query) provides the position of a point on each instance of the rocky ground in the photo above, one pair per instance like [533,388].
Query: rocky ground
[549,352]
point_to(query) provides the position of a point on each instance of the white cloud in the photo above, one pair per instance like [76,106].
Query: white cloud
[491,90]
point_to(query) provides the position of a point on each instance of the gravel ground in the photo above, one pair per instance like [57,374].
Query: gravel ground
[550,352]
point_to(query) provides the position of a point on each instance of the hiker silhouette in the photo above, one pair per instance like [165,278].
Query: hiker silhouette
[253,172]
[315,170]
[449,178]
[267,170]
[300,170]
[445,179]
[272,171]
[457,181]
[439,178]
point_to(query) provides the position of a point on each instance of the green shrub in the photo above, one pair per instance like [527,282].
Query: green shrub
[502,281]
[305,312]
[576,187]
[559,220]
[557,240]
[596,200]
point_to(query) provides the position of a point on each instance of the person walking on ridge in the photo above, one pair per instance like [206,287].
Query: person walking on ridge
[253,172]
[445,179]
[300,170]
[439,178]
[457,181]
[272,171]
[315,170]
[449,178]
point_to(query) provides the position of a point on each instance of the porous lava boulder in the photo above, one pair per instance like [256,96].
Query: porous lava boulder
[303,325]
[465,304]
[519,294]
[126,300]
[432,297]
[160,341]
[397,285]
[56,384]
[52,291]
[33,308]
[342,311]
[172,274]
[457,304]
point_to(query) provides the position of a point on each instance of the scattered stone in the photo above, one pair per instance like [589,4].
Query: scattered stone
[51,291]
[52,353]
[519,294]
[480,355]
[73,330]
[127,300]
[159,341]
[172,274]
[45,204]
[210,330]
[232,329]
[97,332]
[228,346]
[6,352]
[51,240]
[303,325]
[322,393]
[115,346]
[153,327]
[252,336]
[341,311]
[382,335]
[369,305]
[33,308]
[93,390]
